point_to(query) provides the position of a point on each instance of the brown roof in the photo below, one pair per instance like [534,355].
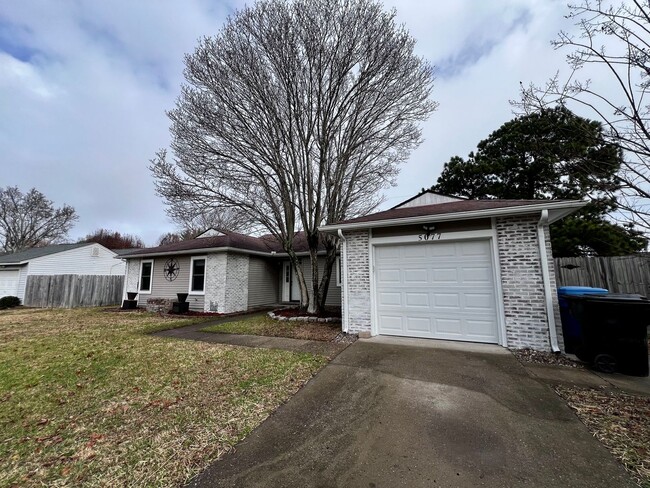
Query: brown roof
[443,208]
[265,244]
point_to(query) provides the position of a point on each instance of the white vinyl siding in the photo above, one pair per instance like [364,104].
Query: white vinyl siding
[263,281]
[22,281]
[334,292]
[163,288]
[79,261]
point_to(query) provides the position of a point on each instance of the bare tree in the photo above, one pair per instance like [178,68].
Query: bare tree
[30,220]
[173,237]
[297,114]
[193,216]
[613,44]
[113,239]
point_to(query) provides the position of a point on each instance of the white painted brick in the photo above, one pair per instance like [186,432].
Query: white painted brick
[522,283]
[358,274]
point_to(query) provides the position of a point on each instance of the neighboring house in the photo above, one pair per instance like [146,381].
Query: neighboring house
[447,268]
[87,258]
[222,272]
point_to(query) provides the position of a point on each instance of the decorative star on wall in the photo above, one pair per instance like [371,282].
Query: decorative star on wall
[171,269]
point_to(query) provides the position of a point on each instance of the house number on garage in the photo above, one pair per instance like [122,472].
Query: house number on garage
[429,234]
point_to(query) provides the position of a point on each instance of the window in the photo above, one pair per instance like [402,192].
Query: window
[339,271]
[197,276]
[146,274]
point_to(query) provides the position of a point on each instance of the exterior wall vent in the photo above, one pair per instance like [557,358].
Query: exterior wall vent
[94,252]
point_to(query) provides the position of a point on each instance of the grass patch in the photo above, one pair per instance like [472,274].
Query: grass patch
[263,325]
[620,421]
[88,397]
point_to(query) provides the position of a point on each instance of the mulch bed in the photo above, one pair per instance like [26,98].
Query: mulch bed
[618,420]
[294,312]
[539,357]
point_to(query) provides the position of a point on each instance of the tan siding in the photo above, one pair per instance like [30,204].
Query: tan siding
[334,292]
[263,282]
[162,288]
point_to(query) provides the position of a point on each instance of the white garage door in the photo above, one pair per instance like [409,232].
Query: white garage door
[438,290]
[8,283]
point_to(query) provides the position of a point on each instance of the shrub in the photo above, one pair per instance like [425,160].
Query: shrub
[8,302]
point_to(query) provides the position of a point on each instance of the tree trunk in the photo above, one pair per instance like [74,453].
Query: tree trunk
[330,260]
[314,301]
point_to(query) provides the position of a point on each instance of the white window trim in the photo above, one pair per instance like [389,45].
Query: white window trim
[205,273]
[337,263]
[140,291]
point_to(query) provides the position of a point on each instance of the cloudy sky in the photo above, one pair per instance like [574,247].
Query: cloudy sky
[84,86]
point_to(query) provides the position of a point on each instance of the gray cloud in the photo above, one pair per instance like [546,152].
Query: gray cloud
[84,87]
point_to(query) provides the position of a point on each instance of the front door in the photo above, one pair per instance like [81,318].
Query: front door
[290,286]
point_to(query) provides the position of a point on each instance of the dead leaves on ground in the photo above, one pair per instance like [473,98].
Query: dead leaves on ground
[620,421]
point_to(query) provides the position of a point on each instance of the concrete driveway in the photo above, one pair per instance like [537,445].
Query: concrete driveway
[396,414]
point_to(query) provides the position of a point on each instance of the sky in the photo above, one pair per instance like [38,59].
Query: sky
[85,84]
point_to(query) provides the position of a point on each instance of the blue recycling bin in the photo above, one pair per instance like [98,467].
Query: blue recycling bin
[571,327]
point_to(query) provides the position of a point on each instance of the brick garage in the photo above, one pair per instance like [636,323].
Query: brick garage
[479,271]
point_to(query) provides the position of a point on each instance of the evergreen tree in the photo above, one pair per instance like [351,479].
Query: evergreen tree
[551,154]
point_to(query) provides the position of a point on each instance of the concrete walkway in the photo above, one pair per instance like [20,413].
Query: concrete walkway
[387,414]
[193,332]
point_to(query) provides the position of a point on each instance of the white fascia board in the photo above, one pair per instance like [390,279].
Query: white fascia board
[211,250]
[568,207]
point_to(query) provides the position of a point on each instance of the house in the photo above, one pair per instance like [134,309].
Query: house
[85,258]
[448,268]
[222,272]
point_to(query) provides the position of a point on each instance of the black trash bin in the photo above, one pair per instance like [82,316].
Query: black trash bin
[614,334]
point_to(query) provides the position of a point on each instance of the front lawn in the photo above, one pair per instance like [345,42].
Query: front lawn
[87,397]
[620,421]
[264,325]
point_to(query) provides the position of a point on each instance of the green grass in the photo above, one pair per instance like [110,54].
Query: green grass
[87,397]
[263,325]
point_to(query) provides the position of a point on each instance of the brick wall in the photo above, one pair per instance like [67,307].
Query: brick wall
[215,283]
[523,287]
[236,292]
[132,275]
[358,281]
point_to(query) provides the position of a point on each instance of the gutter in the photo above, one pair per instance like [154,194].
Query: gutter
[206,250]
[548,292]
[467,215]
[346,308]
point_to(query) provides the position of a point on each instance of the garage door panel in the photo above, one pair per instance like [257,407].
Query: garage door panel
[390,299]
[441,251]
[391,323]
[476,248]
[387,252]
[411,252]
[417,299]
[444,275]
[449,325]
[418,324]
[478,301]
[447,300]
[414,275]
[476,275]
[389,276]
[445,290]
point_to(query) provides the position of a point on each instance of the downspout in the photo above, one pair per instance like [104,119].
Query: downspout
[548,292]
[344,270]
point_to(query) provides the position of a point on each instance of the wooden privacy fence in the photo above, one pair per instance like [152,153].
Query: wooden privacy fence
[619,274]
[68,291]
